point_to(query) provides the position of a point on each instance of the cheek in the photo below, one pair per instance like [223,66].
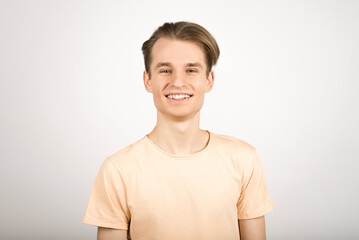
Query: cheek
[156,96]
[157,93]
[156,88]
[200,85]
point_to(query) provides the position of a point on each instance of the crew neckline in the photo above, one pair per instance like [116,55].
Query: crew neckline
[163,152]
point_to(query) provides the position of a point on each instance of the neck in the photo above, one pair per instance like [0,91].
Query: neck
[179,137]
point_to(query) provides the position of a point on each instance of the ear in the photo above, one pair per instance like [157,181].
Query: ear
[210,81]
[147,81]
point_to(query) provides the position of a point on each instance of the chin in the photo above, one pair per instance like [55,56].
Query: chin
[181,115]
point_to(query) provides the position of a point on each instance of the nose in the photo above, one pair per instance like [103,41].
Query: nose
[178,79]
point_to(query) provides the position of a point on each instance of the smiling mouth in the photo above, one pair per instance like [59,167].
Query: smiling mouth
[178,96]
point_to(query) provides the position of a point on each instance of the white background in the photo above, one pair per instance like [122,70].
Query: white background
[71,94]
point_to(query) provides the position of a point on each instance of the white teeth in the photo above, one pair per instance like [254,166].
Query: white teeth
[179,96]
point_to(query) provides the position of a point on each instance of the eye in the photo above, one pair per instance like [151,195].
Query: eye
[192,70]
[165,71]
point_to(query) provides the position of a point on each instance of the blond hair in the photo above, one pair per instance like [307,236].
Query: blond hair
[185,31]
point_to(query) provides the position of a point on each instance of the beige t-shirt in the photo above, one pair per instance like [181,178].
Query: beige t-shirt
[158,195]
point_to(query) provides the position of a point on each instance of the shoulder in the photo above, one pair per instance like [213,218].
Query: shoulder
[239,153]
[234,145]
[127,156]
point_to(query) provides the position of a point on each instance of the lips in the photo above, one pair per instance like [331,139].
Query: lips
[178,93]
[178,96]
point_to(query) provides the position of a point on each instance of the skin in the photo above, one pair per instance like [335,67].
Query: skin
[179,66]
[111,234]
[252,229]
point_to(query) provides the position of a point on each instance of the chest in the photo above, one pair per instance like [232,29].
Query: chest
[185,189]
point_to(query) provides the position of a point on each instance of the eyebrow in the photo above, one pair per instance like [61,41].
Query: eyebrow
[162,64]
[167,64]
[194,65]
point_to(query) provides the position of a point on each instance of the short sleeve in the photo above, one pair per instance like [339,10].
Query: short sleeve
[107,206]
[254,200]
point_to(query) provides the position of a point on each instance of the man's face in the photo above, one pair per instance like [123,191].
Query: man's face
[178,70]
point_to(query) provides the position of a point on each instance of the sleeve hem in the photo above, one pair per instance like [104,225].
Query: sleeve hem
[266,209]
[104,223]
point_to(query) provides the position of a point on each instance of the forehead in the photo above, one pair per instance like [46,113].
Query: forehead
[177,52]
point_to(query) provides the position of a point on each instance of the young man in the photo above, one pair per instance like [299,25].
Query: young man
[179,181]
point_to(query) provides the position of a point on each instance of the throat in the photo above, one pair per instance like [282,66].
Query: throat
[182,144]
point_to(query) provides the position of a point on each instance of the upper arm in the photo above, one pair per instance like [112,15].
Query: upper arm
[254,200]
[252,229]
[107,206]
[111,234]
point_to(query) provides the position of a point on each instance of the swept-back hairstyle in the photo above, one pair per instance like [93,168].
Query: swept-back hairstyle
[185,31]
